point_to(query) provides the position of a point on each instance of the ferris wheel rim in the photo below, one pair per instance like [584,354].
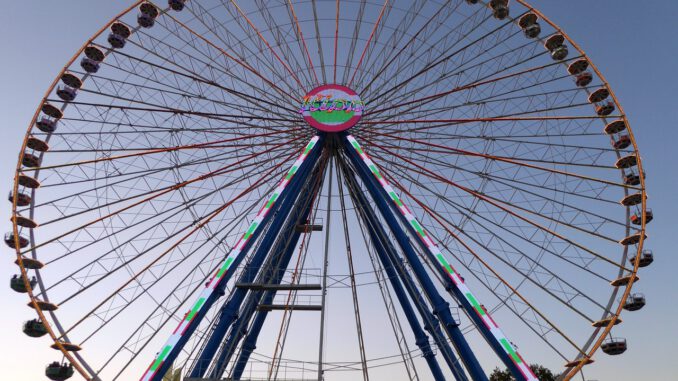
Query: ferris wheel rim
[68,355]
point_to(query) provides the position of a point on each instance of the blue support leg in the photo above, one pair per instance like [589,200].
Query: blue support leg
[279,259]
[440,306]
[385,253]
[454,291]
[229,311]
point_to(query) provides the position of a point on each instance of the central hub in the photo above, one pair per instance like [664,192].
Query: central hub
[332,108]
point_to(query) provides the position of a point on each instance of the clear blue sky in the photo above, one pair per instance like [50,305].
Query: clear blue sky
[632,42]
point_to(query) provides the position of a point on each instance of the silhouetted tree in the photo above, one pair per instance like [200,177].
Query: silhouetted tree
[542,373]
[172,374]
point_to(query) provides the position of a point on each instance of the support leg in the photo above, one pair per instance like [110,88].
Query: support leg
[440,306]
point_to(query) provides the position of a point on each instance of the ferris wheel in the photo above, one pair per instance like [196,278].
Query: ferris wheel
[328,190]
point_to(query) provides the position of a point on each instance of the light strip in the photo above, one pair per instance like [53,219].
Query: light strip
[458,281]
[214,282]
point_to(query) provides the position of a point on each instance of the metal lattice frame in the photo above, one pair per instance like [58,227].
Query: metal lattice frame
[168,149]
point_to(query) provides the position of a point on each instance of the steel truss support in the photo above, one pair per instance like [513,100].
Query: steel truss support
[279,255]
[229,310]
[386,254]
[440,306]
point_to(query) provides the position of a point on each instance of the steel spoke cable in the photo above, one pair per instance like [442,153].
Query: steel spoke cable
[336,41]
[505,101]
[178,209]
[354,291]
[497,204]
[162,109]
[241,42]
[506,160]
[318,41]
[509,182]
[207,218]
[158,194]
[467,86]
[150,151]
[498,276]
[385,137]
[177,91]
[267,44]
[192,75]
[461,68]
[447,150]
[126,263]
[234,59]
[407,44]
[441,53]
[470,215]
[310,66]
[369,40]
[350,52]
[475,103]
[442,58]
[221,171]
[281,33]
[235,223]
[170,316]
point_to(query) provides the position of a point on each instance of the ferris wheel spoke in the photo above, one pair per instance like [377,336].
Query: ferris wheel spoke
[158,193]
[229,39]
[498,204]
[367,44]
[289,55]
[310,65]
[468,212]
[179,208]
[202,276]
[529,276]
[134,175]
[165,109]
[457,34]
[215,144]
[506,160]
[353,41]
[240,62]
[441,58]
[184,72]
[508,139]
[510,159]
[336,41]
[440,221]
[283,63]
[241,164]
[512,183]
[493,78]
[318,41]
[415,37]
[468,104]
[138,128]
[462,70]
[386,39]
[198,226]
[170,316]
[165,89]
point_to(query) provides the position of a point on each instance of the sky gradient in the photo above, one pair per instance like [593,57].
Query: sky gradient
[633,46]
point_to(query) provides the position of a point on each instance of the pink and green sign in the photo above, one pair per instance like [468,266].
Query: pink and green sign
[332,108]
